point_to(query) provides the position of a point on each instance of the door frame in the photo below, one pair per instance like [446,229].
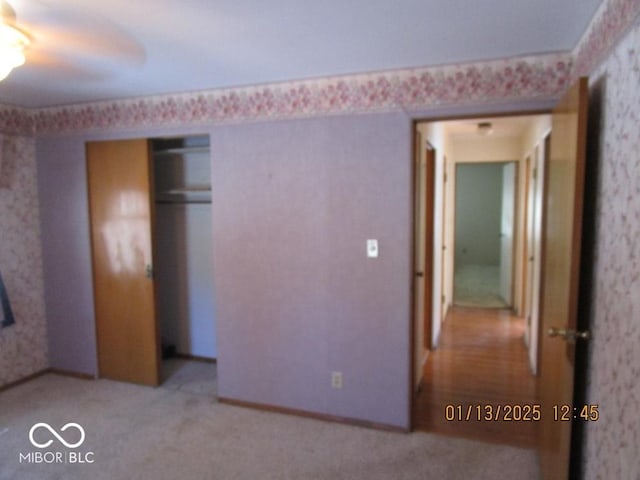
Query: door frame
[580,353]
[426,270]
[414,124]
[444,304]
[543,233]
[515,307]
[155,260]
[527,216]
[429,219]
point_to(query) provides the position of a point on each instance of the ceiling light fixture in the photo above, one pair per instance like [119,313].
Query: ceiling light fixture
[485,128]
[13,41]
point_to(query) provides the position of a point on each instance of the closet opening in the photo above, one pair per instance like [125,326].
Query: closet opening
[185,304]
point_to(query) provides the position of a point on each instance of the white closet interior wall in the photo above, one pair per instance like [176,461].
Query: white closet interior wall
[184,266]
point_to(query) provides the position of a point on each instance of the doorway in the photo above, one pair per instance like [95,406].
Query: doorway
[484,234]
[470,336]
[184,263]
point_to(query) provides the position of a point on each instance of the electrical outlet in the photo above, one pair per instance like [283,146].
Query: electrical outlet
[336,379]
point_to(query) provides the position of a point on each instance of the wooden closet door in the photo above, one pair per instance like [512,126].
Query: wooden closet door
[119,179]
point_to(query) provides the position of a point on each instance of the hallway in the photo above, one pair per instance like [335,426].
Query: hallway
[481,363]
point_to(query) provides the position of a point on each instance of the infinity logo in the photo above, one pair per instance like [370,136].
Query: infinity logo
[55,434]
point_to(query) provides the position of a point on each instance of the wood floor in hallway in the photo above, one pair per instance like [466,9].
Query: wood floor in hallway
[480,365]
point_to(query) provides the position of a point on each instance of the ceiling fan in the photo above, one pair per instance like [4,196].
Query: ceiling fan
[63,39]
[13,41]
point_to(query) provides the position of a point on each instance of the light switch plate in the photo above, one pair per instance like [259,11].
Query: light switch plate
[372,248]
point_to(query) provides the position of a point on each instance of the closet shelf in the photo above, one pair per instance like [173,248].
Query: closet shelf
[185,190]
[179,151]
[185,195]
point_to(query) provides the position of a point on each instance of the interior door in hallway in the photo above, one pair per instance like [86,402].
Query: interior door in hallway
[119,178]
[507,224]
[424,197]
[445,281]
[561,266]
[428,216]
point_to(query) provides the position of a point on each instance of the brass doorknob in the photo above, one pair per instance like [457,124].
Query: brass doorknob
[569,335]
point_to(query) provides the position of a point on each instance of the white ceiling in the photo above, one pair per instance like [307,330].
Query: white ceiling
[85,50]
[502,127]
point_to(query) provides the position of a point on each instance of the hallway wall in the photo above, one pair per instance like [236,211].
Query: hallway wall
[435,134]
[534,148]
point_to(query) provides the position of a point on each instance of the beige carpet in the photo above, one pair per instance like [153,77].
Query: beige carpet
[189,376]
[138,432]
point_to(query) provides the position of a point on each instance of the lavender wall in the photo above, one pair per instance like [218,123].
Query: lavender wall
[66,254]
[296,298]
[294,203]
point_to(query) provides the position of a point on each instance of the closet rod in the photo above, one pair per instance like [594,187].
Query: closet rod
[182,202]
[178,151]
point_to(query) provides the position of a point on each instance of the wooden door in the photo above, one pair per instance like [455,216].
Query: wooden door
[119,178]
[429,192]
[443,262]
[507,231]
[563,232]
[527,250]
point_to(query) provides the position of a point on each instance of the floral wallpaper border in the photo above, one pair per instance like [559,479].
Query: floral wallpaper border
[522,78]
[608,26]
[16,120]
